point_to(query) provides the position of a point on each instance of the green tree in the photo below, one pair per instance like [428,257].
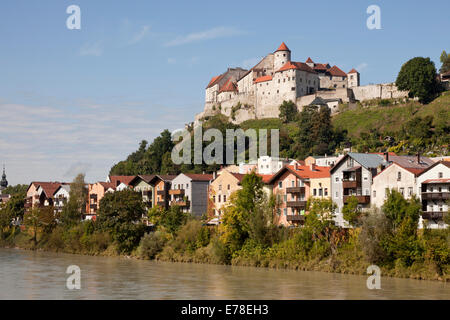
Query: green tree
[418,77]
[351,211]
[120,215]
[74,209]
[40,219]
[445,60]
[17,189]
[288,111]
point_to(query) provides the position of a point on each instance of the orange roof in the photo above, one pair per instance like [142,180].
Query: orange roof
[283,47]
[263,79]
[266,178]
[335,71]
[320,66]
[442,180]
[214,80]
[228,86]
[296,65]
[309,60]
[352,71]
[304,172]
[107,185]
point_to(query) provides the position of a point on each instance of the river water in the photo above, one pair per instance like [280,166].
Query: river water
[42,275]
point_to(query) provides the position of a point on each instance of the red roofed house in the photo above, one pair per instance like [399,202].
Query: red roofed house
[401,174]
[40,194]
[292,187]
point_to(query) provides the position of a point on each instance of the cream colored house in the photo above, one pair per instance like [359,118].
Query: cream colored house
[400,175]
[221,189]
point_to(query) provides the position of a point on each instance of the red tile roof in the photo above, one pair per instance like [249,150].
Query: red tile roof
[352,71]
[304,172]
[336,72]
[228,86]
[283,47]
[116,180]
[437,180]
[309,60]
[266,178]
[107,185]
[238,176]
[263,79]
[214,80]
[320,66]
[49,188]
[199,176]
[296,65]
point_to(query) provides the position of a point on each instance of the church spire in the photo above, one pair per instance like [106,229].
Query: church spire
[3,182]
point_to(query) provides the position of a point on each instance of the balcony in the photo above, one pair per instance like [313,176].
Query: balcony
[180,203]
[295,218]
[93,196]
[295,190]
[348,184]
[435,196]
[177,192]
[160,192]
[361,199]
[433,215]
[296,204]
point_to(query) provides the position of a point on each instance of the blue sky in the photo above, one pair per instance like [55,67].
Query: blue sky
[82,100]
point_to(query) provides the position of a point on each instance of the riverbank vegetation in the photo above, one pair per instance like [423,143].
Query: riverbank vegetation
[388,237]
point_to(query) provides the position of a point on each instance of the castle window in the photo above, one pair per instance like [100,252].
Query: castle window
[284,54]
[284,80]
[293,88]
[278,80]
[293,78]
[278,91]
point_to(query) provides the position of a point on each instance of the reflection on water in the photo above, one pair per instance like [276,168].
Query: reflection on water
[41,275]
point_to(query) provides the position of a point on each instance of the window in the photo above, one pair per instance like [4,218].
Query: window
[337,179]
[293,89]
[325,193]
[374,193]
[367,192]
[228,187]
[402,191]
[285,198]
[224,198]
[365,177]
[219,198]
[285,211]
[214,199]
[278,211]
[278,91]
[440,175]
[320,192]
[336,195]
[293,183]
[314,192]
[399,176]
[410,191]
[280,184]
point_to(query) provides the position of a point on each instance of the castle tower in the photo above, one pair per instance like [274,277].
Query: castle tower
[281,56]
[353,79]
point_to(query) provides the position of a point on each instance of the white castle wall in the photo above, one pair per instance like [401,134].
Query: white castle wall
[378,91]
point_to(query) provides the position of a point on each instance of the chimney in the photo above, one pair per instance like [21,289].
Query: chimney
[386,156]
[312,166]
[295,165]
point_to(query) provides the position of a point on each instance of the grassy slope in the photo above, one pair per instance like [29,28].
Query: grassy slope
[391,118]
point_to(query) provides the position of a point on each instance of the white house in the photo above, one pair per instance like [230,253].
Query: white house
[434,187]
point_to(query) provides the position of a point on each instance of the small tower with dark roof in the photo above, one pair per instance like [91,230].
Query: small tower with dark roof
[353,78]
[3,182]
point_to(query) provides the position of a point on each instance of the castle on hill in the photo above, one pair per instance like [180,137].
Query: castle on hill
[257,93]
